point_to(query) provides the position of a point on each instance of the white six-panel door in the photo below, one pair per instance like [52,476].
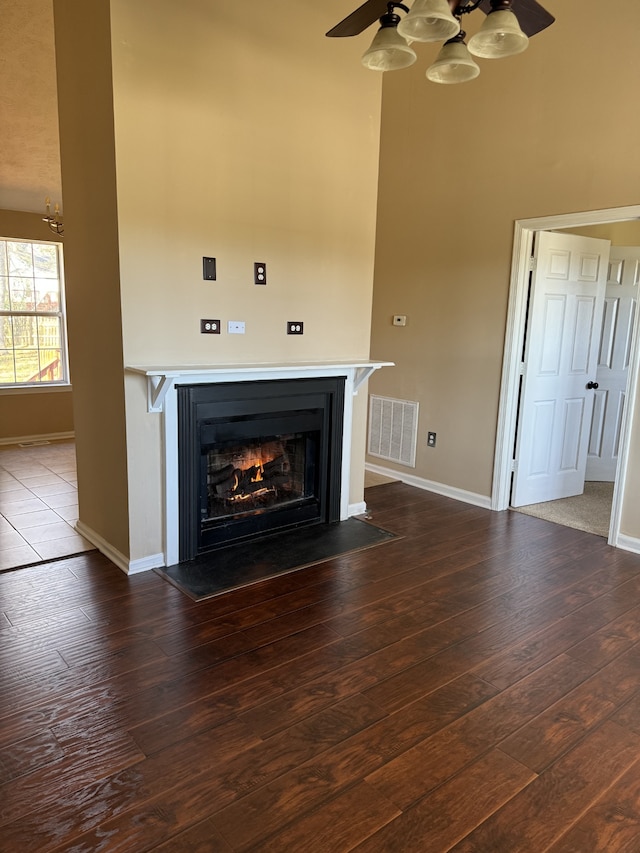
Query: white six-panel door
[563,332]
[619,316]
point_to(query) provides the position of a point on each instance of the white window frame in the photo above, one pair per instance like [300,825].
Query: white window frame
[61,313]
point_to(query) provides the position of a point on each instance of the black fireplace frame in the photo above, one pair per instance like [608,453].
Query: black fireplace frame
[206,410]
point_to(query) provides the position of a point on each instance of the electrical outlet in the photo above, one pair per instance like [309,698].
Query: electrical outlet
[431,439]
[236,327]
[209,269]
[295,327]
[259,273]
[210,327]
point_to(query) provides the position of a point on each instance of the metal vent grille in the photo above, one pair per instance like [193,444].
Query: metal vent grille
[393,429]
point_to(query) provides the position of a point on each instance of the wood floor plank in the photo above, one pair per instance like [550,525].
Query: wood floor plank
[432,762]
[306,787]
[67,811]
[572,785]
[91,753]
[524,657]
[455,809]
[201,838]
[471,686]
[340,824]
[612,824]
[398,654]
[29,754]
[531,617]
[540,742]
[629,715]
[611,640]
[191,800]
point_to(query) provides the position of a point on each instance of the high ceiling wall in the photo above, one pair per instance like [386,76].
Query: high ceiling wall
[30,152]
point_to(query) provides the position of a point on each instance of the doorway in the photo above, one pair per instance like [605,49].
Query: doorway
[525,231]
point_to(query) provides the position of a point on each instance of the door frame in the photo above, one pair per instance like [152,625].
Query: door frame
[524,232]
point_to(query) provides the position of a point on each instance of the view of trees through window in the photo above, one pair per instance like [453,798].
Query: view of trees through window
[32,335]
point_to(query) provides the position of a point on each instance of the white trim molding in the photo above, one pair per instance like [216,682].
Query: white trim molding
[161,380]
[524,231]
[129,567]
[431,486]
[628,543]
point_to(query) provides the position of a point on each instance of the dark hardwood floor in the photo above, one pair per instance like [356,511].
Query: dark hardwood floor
[472,687]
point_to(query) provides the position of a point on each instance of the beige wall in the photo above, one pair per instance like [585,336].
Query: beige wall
[34,412]
[546,132]
[243,133]
[85,102]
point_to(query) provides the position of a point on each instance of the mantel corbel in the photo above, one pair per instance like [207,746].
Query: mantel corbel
[157,389]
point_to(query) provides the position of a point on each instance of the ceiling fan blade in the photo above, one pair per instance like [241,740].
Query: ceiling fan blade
[358,21]
[530,14]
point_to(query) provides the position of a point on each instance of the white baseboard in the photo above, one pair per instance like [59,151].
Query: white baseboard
[145,564]
[431,486]
[357,509]
[129,567]
[52,436]
[627,543]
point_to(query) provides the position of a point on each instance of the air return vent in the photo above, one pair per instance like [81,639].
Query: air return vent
[393,429]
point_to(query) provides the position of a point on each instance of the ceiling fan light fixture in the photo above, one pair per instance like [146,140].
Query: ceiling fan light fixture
[454,64]
[499,36]
[429,20]
[388,50]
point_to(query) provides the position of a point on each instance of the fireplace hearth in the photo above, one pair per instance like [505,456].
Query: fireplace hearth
[257,458]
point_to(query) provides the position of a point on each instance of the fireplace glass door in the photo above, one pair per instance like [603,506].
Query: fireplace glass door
[258,475]
[257,458]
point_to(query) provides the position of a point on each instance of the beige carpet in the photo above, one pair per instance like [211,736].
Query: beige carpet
[590,511]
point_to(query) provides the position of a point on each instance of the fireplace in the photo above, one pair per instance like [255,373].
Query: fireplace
[161,386]
[255,458]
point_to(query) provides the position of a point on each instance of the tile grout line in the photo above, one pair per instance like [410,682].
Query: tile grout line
[32,468]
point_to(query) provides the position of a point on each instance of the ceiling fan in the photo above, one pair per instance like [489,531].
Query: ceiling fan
[505,32]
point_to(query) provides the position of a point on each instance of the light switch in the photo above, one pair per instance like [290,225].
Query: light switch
[236,327]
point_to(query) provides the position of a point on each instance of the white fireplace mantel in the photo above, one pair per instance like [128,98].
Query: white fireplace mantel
[162,398]
[160,380]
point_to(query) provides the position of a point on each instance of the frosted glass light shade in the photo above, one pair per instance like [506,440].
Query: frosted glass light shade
[429,20]
[388,52]
[499,36]
[453,65]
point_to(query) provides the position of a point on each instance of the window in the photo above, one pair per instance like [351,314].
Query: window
[32,318]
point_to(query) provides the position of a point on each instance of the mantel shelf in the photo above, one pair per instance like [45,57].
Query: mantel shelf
[161,379]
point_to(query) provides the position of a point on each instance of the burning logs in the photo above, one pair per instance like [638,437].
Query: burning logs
[230,483]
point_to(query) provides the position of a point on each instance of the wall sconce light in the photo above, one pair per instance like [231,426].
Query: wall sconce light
[54,222]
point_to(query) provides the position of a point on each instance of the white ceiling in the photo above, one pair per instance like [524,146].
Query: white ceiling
[29,146]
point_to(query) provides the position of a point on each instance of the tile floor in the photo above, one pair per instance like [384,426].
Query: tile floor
[38,504]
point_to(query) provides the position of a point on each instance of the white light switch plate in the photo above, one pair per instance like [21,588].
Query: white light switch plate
[236,327]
